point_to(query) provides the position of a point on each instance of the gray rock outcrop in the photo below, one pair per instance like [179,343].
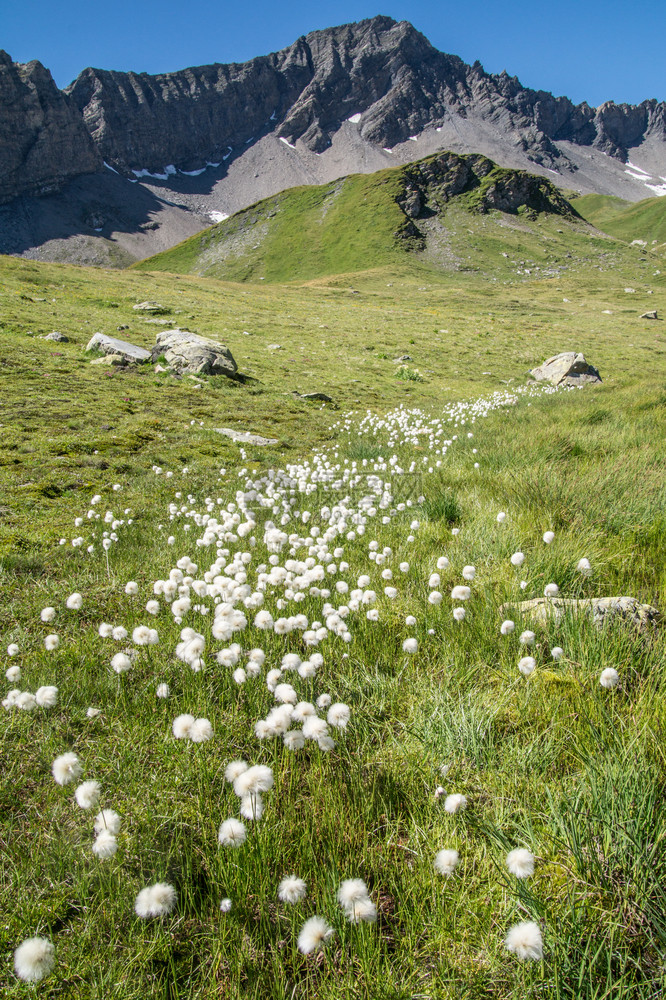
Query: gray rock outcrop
[651,314]
[43,139]
[598,609]
[245,437]
[189,354]
[111,345]
[568,368]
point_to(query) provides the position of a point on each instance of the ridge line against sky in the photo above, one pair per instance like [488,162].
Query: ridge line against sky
[589,50]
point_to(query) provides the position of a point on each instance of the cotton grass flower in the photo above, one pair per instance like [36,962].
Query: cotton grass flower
[520,862]
[338,715]
[527,638]
[507,627]
[584,567]
[526,665]
[225,905]
[232,833]
[234,770]
[66,768]
[87,794]
[181,726]
[131,588]
[609,678]
[524,940]
[461,593]
[455,803]
[548,537]
[51,642]
[74,602]
[459,614]
[200,731]
[292,890]
[469,572]
[107,820]
[162,691]
[46,696]
[121,663]
[313,935]
[551,590]
[410,646]
[34,959]
[105,846]
[517,559]
[13,675]
[155,901]
[446,861]
[557,652]
[47,614]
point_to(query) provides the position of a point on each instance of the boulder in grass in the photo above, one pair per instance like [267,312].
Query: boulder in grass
[598,609]
[568,368]
[651,314]
[189,354]
[111,345]
[152,307]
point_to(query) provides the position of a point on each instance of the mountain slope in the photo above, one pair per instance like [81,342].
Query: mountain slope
[366,221]
[207,141]
[641,220]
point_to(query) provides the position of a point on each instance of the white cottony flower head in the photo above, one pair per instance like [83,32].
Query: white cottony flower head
[461,593]
[551,590]
[517,559]
[526,665]
[292,889]
[584,567]
[410,646]
[87,794]
[527,638]
[323,701]
[66,768]
[294,739]
[200,731]
[162,691]
[232,833]
[74,602]
[557,652]
[338,715]
[520,862]
[182,725]
[548,537]
[609,678]
[459,614]
[352,891]
[443,563]
[105,846]
[121,663]
[455,802]
[155,901]
[525,941]
[46,696]
[434,597]
[446,862]
[252,807]
[131,588]
[51,642]
[507,627]
[12,649]
[234,770]
[314,934]
[47,614]
[34,959]
[469,572]
[501,517]
[225,905]
[13,674]
[107,820]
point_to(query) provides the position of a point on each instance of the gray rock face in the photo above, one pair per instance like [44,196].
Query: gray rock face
[59,338]
[245,437]
[384,71]
[598,609]
[150,307]
[189,354]
[651,314]
[43,139]
[111,345]
[568,368]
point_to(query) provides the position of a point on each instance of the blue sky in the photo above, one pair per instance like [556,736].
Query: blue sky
[587,49]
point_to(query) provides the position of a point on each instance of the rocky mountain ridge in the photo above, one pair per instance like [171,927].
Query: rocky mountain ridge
[206,141]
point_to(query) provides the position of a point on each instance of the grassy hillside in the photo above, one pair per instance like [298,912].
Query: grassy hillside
[368,221]
[548,761]
[640,220]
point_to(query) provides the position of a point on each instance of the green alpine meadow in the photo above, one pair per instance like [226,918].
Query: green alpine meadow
[341,675]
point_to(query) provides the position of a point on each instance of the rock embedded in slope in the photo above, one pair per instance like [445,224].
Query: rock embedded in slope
[151,307]
[568,368]
[599,609]
[245,437]
[111,345]
[58,337]
[652,314]
[189,354]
